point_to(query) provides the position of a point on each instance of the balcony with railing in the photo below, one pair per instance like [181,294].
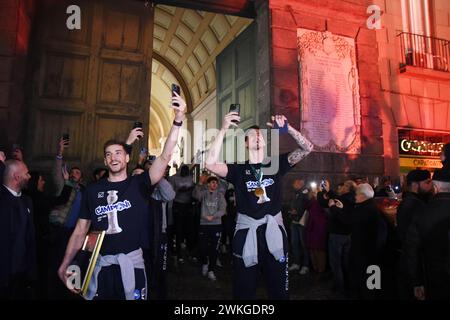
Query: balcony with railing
[424,52]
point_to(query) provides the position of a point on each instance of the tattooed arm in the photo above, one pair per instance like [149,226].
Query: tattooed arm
[305,147]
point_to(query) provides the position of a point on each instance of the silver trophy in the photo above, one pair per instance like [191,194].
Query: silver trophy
[113,223]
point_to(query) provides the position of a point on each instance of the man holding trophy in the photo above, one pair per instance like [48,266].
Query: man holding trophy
[117,205]
[260,241]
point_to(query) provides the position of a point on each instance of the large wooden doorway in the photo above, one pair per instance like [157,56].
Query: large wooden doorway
[93,82]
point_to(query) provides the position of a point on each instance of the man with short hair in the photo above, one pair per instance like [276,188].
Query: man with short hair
[427,238]
[260,240]
[17,234]
[366,223]
[117,205]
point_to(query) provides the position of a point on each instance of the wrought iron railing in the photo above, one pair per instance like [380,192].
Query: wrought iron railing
[424,52]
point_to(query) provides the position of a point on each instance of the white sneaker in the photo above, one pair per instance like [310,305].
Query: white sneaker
[212,276]
[304,270]
[218,263]
[294,267]
[204,270]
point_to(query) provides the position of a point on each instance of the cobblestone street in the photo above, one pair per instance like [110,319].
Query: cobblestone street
[185,282]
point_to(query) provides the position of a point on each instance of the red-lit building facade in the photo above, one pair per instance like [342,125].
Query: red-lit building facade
[402,66]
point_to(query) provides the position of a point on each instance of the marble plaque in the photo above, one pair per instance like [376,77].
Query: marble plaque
[331,117]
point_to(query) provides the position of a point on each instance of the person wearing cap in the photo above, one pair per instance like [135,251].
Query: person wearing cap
[419,188]
[428,237]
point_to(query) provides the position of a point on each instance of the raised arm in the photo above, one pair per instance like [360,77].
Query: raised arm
[305,146]
[158,167]
[212,158]
[58,178]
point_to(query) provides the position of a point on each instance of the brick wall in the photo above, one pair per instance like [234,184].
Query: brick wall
[346,18]
[15,27]
[418,98]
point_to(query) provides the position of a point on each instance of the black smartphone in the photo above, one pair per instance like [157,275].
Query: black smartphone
[137,124]
[322,183]
[235,107]
[151,158]
[175,88]
[66,136]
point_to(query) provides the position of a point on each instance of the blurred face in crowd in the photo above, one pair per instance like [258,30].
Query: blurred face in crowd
[75,175]
[213,185]
[41,184]
[360,197]
[22,176]
[17,154]
[203,179]
[255,140]
[298,184]
[339,189]
[116,158]
[425,186]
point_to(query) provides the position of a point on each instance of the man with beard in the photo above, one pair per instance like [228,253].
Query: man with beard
[260,241]
[17,233]
[117,205]
[419,187]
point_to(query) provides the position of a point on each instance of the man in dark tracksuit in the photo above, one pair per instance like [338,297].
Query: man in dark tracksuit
[414,201]
[260,240]
[17,234]
[339,233]
[428,237]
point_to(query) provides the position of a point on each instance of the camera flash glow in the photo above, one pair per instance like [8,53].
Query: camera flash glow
[313,185]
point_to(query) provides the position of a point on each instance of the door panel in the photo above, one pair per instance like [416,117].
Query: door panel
[236,79]
[93,82]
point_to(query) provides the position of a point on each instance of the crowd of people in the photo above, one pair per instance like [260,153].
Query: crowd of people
[150,216]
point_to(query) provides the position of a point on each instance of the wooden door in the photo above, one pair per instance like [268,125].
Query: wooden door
[93,82]
[236,79]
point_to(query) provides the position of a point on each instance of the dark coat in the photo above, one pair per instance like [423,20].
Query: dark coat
[428,237]
[411,205]
[336,225]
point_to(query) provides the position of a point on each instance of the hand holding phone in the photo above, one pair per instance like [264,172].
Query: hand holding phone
[138,124]
[235,107]
[66,137]
[283,129]
[175,88]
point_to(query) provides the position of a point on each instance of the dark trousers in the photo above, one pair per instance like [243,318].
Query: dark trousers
[299,251]
[275,273]
[184,225]
[339,247]
[209,239]
[19,288]
[160,290]
[110,286]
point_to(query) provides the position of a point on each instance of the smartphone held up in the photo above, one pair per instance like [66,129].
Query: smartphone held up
[175,88]
[235,107]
